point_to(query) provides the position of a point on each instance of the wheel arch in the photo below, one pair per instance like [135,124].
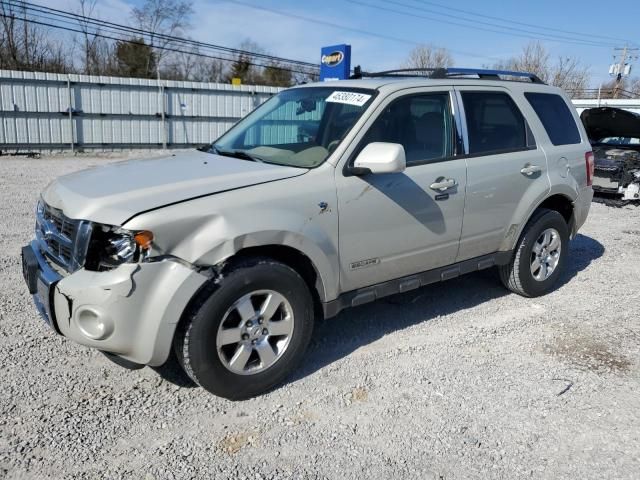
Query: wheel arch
[291,257]
[559,202]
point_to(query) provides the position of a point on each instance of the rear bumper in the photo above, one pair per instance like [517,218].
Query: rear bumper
[131,311]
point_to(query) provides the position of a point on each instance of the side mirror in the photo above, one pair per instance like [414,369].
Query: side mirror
[380,157]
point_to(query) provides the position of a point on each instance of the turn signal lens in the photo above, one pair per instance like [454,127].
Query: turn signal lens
[144,239]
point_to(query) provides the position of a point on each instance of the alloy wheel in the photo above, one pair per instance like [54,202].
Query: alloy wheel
[255,332]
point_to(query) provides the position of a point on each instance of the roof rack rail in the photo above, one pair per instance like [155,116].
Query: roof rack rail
[446,73]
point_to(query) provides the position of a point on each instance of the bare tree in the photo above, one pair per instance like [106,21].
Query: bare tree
[628,87]
[25,46]
[243,67]
[163,17]
[276,74]
[429,56]
[534,58]
[181,65]
[305,76]
[570,75]
[566,72]
[209,70]
[98,54]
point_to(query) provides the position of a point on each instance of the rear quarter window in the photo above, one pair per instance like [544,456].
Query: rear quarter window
[556,117]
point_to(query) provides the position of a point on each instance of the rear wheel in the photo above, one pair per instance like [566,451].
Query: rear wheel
[540,255]
[249,331]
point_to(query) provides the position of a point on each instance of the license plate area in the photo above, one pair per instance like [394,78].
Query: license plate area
[40,279]
[41,299]
[30,269]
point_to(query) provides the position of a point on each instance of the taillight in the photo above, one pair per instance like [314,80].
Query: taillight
[591,166]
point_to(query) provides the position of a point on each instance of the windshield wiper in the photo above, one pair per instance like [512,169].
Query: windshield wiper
[237,154]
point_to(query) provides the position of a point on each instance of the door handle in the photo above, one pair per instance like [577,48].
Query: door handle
[443,184]
[529,170]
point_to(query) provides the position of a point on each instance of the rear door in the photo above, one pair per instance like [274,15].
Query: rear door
[565,149]
[396,224]
[505,168]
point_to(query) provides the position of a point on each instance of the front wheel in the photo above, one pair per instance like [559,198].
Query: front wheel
[249,331]
[540,255]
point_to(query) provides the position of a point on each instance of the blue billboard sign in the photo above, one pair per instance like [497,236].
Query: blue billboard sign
[335,62]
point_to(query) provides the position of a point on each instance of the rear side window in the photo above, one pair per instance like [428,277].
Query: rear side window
[494,123]
[555,117]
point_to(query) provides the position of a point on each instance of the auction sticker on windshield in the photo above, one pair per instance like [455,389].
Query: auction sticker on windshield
[350,98]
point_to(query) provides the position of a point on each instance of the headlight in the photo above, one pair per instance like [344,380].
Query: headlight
[113,246]
[40,208]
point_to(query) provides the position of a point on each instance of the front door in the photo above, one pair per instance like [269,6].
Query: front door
[397,224]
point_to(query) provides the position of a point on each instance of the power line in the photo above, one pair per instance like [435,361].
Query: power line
[60,16]
[134,42]
[352,29]
[542,35]
[515,22]
[138,31]
[100,33]
[516,31]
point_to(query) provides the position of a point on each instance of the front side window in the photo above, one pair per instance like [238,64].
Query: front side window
[299,127]
[422,124]
[494,123]
[556,117]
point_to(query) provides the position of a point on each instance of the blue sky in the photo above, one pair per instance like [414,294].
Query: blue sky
[306,27]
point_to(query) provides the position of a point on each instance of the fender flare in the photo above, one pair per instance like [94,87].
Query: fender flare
[323,260]
[512,235]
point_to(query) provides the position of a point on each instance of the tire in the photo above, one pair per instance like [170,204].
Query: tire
[198,341]
[517,275]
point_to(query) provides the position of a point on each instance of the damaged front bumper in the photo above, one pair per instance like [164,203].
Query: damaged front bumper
[617,172]
[131,311]
[603,183]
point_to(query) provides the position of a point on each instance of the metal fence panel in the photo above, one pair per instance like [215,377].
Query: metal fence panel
[45,111]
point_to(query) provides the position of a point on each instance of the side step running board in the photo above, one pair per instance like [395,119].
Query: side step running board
[411,282]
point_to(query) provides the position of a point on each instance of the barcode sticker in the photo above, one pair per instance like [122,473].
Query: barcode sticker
[350,98]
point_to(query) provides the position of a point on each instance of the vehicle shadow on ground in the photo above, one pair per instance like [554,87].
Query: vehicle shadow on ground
[353,328]
[173,373]
[337,337]
[582,251]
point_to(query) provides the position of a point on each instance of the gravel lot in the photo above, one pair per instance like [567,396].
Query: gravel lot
[458,380]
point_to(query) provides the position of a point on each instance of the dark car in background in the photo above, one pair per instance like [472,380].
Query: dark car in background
[615,137]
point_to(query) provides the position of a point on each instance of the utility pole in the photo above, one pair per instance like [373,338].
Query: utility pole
[163,127]
[622,69]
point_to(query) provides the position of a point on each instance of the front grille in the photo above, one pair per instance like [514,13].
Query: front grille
[63,240]
[65,226]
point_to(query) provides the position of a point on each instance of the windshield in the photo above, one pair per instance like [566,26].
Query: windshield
[299,127]
[620,141]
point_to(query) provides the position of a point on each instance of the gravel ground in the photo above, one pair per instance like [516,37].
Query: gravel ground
[457,380]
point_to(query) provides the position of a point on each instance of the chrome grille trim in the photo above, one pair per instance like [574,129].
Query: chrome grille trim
[61,239]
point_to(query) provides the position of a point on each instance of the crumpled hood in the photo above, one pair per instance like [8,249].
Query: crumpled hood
[605,122]
[112,194]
